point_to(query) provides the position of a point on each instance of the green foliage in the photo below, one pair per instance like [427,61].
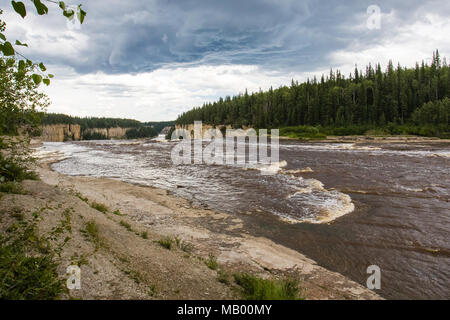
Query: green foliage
[117,213]
[24,273]
[13,170]
[88,135]
[255,288]
[81,197]
[169,134]
[126,225]
[433,113]
[19,7]
[19,99]
[99,206]
[142,132]
[212,262]
[319,132]
[302,132]
[144,235]
[373,99]
[166,242]
[92,233]
[11,187]
[224,277]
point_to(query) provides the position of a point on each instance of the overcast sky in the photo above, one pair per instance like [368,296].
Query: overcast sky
[151,60]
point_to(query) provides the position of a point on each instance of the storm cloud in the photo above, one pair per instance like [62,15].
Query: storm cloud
[277,39]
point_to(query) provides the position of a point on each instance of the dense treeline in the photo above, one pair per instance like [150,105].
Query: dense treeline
[397,96]
[89,122]
[142,132]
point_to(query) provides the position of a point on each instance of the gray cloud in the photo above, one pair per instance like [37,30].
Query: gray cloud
[139,36]
[152,59]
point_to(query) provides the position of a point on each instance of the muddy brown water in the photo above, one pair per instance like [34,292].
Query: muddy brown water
[389,202]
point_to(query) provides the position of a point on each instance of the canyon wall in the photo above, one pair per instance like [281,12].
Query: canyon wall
[110,133]
[61,132]
[72,132]
[190,128]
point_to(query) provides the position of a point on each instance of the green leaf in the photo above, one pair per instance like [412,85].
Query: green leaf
[2,36]
[7,49]
[81,14]
[29,62]
[40,7]
[42,67]
[46,81]
[50,75]
[62,5]
[36,78]
[69,14]
[19,7]
[21,66]
[18,43]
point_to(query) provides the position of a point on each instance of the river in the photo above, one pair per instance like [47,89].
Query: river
[346,206]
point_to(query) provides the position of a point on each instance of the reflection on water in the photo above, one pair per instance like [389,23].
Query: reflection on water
[391,201]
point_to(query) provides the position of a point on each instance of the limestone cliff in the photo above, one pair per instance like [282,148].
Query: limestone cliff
[110,133]
[72,132]
[61,132]
[205,127]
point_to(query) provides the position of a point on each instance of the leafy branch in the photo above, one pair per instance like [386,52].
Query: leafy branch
[8,50]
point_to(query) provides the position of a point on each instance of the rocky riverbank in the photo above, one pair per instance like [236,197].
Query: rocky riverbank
[126,257]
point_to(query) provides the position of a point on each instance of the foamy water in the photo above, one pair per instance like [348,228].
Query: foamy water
[150,164]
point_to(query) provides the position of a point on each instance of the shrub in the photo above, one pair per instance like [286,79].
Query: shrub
[24,276]
[11,187]
[12,170]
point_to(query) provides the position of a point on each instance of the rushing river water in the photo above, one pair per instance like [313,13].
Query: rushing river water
[389,202]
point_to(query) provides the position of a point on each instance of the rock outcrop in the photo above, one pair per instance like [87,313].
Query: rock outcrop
[72,132]
[110,133]
[61,132]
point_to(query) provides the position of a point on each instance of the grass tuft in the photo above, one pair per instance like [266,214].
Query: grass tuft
[255,288]
[224,277]
[117,213]
[92,233]
[99,206]
[126,225]
[166,242]
[212,262]
[80,196]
